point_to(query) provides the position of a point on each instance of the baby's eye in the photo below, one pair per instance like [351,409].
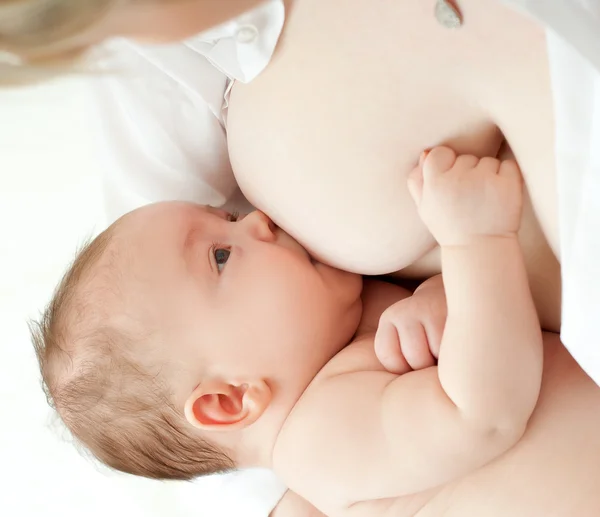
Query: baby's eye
[221,257]
[233,216]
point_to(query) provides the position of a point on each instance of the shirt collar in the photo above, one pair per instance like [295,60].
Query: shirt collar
[242,48]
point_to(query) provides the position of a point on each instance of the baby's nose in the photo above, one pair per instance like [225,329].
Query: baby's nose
[259,226]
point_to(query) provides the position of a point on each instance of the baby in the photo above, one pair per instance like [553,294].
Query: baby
[185,340]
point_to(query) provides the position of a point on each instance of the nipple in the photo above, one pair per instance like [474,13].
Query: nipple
[447,14]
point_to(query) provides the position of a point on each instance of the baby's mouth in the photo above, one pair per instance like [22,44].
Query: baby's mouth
[290,242]
[272,226]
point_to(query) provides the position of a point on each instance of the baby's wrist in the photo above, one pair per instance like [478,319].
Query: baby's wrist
[478,240]
[434,283]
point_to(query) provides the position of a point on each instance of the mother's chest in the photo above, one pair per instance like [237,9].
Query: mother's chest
[324,139]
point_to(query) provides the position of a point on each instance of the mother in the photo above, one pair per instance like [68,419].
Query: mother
[323,139]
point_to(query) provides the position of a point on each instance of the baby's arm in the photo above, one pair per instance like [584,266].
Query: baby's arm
[490,364]
[398,435]
[490,361]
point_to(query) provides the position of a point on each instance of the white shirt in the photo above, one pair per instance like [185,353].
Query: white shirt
[164,116]
[163,112]
[573,34]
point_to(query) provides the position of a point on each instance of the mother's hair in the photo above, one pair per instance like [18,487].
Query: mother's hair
[38,37]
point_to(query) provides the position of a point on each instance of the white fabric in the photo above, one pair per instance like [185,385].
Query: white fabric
[161,110]
[164,138]
[248,493]
[254,493]
[577,106]
[573,32]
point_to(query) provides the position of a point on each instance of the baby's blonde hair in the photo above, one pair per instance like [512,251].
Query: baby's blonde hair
[118,409]
[35,35]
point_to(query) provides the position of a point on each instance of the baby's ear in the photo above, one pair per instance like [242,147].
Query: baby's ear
[225,406]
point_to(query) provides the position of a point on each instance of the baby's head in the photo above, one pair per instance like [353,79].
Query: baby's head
[40,37]
[180,339]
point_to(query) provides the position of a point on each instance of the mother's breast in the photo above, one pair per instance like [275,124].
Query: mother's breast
[324,139]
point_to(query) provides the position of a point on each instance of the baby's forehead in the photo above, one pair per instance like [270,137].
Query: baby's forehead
[139,241]
[161,224]
[157,221]
[110,293]
[168,211]
[133,243]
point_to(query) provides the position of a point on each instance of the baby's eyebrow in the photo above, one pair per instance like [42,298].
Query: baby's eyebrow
[189,238]
[190,248]
[217,211]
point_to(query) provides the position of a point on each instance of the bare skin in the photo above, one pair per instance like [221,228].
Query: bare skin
[554,470]
[384,444]
[162,22]
[328,134]
[356,90]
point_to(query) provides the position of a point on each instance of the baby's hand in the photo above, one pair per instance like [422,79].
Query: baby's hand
[410,331]
[464,197]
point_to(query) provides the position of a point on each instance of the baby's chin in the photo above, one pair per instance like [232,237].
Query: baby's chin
[338,279]
[346,289]
[348,284]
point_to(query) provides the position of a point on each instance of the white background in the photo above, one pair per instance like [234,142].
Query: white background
[50,202]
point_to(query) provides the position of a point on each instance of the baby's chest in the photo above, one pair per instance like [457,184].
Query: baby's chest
[303,456]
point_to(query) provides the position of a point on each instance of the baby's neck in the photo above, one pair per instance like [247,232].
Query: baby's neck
[255,445]
[377,296]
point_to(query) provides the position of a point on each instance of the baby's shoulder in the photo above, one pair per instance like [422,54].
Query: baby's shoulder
[322,442]
[319,442]
[310,449]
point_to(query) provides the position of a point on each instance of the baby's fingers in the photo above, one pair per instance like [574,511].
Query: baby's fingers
[415,346]
[509,168]
[488,164]
[387,349]
[438,161]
